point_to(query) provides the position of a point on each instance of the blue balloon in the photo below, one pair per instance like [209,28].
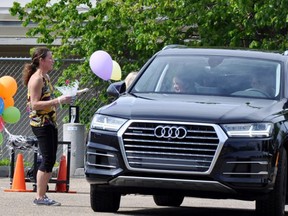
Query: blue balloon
[1,106]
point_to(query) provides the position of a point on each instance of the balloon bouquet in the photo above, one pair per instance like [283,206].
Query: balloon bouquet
[104,67]
[8,112]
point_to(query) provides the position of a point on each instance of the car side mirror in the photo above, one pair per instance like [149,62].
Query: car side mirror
[117,88]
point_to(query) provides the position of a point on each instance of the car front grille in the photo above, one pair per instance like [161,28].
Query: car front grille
[159,146]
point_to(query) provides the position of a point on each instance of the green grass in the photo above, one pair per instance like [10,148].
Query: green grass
[5,162]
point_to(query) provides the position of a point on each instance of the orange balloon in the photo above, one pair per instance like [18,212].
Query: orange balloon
[2,90]
[10,86]
[8,102]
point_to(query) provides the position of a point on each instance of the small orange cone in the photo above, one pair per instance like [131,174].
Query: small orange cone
[62,175]
[18,184]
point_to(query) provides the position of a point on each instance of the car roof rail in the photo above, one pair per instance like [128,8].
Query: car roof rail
[171,46]
[285,53]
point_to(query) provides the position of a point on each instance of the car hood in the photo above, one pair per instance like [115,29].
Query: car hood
[193,108]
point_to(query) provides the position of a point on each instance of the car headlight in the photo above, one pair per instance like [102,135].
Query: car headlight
[249,130]
[109,123]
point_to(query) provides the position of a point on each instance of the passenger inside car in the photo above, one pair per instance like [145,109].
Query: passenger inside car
[183,82]
[130,78]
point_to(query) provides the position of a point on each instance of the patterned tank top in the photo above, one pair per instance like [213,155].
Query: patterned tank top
[40,118]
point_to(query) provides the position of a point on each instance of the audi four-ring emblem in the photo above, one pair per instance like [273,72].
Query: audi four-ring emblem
[173,132]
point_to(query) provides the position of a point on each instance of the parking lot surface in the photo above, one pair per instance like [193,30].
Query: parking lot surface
[78,203]
[20,203]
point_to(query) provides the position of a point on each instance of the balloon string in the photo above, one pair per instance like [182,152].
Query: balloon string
[113,86]
[4,128]
[17,141]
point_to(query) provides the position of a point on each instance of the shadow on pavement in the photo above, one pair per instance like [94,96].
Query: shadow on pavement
[183,211]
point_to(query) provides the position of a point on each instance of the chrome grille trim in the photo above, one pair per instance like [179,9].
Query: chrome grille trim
[101,155]
[175,154]
[169,159]
[250,173]
[183,143]
[195,154]
[248,162]
[262,167]
[101,165]
[167,164]
[170,148]
[141,181]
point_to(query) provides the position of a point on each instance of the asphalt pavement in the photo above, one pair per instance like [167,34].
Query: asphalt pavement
[77,202]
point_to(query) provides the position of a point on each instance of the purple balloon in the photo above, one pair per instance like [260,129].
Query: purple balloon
[101,64]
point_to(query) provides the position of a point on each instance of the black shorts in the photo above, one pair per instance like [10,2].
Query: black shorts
[47,143]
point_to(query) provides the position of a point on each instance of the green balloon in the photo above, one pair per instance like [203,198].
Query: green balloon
[11,115]
[1,138]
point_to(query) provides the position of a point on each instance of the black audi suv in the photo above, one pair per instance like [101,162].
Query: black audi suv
[208,123]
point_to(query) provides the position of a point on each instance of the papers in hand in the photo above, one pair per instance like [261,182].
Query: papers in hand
[70,90]
[82,91]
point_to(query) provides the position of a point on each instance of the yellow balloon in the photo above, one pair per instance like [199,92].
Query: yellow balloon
[116,71]
[10,86]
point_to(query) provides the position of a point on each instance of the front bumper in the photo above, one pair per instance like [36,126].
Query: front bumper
[239,166]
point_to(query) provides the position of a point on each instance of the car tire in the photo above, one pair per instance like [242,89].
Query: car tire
[104,200]
[274,204]
[174,201]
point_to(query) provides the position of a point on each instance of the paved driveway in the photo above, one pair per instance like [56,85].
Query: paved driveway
[20,203]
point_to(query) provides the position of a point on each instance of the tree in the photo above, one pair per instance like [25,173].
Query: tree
[132,31]
[258,24]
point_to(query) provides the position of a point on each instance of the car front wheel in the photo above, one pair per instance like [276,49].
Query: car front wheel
[161,200]
[104,200]
[274,204]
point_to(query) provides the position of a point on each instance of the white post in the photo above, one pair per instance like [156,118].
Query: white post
[75,132]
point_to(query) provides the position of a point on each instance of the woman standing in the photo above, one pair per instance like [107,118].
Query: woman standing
[42,113]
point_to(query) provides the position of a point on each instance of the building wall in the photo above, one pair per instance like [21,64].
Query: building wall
[13,40]
[12,33]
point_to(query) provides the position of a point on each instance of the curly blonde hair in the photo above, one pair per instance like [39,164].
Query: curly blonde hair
[130,77]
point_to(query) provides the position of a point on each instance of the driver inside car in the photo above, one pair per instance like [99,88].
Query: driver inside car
[263,84]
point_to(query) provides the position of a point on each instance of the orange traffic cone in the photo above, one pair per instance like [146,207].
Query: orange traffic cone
[18,184]
[62,175]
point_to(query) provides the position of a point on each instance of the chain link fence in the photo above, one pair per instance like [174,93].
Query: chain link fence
[13,67]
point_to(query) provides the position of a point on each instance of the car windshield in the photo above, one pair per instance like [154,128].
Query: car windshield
[211,75]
